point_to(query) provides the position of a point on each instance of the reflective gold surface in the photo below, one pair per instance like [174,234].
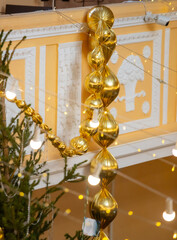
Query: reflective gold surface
[102,33]
[37,118]
[103,208]
[21,103]
[93,82]
[110,86]
[86,130]
[109,166]
[101,236]
[29,111]
[108,129]
[93,42]
[79,144]
[99,13]
[44,127]
[109,46]
[95,58]
[93,102]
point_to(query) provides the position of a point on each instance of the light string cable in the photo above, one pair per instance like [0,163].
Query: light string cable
[148,73]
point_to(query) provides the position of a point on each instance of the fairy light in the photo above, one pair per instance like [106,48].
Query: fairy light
[44,174]
[94,123]
[94,178]
[19,175]
[21,194]
[65,113]
[154,155]
[173,9]
[130,213]
[163,141]
[67,105]
[36,142]
[116,143]
[174,150]
[139,150]
[68,211]
[173,168]
[158,224]
[49,98]
[47,109]
[31,88]
[66,190]
[10,94]
[169,214]
[175,235]
[80,197]
[124,128]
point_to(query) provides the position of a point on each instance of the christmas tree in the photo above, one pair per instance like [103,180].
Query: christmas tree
[23,216]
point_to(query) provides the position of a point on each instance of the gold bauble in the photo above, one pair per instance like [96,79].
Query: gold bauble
[103,208]
[108,129]
[95,58]
[68,152]
[101,236]
[79,144]
[29,111]
[92,41]
[61,146]
[93,82]
[110,86]
[102,33]
[109,166]
[44,127]
[51,136]
[109,46]
[20,103]
[37,118]
[56,142]
[97,14]
[93,102]
[86,130]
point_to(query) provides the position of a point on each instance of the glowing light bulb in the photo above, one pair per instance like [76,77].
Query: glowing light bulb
[10,95]
[36,142]
[94,123]
[169,214]
[175,235]
[94,178]
[174,151]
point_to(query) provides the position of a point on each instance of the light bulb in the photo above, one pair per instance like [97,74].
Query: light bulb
[10,95]
[36,142]
[93,180]
[175,235]
[169,214]
[169,217]
[174,151]
[94,123]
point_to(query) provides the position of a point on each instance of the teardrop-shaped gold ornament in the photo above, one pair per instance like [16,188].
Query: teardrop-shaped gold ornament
[102,33]
[103,208]
[86,130]
[109,46]
[93,82]
[95,58]
[99,13]
[101,236]
[93,102]
[108,129]
[110,86]
[109,166]
[79,144]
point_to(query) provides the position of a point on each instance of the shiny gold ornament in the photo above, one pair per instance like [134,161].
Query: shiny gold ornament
[108,129]
[61,146]
[97,14]
[56,142]
[86,130]
[2,94]
[103,208]
[95,58]
[20,103]
[51,136]
[68,152]
[37,118]
[102,33]
[93,42]
[109,166]
[109,46]
[110,86]
[79,144]
[93,102]
[93,82]
[29,111]
[101,236]
[44,127]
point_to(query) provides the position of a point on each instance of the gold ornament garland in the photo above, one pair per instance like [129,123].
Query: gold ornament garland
[104,88]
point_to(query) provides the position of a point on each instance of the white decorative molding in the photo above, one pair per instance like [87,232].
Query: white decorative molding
[114,57]
[57,30]
[146,51]
[156,37]
[166,73]
[42,69]
[126,155]
[129,74]
[69,89]
[145,107]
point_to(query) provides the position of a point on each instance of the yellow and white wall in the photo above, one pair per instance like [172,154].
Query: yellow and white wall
[52,67]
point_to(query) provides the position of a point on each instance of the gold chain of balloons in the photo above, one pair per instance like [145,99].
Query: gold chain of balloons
[78,145]
[104,88]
